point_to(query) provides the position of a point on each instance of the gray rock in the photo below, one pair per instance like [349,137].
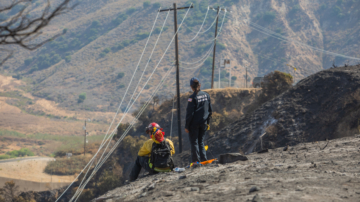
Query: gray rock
[182,177]
[254,188]
[231,157]
[257,198]
[195,189]
[143,195]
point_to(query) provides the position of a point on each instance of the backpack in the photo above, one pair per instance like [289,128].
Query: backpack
[161,156]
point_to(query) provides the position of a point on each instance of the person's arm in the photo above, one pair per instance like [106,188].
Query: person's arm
[171,146]
[210,111]
[146,148]
[190,110]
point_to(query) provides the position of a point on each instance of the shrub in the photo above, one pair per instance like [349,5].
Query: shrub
[121,86]
[147,86]
[68,58]
[274,84]
[66,166]
[142,35]
[130,10]
[102,54]
[233,78]
[82,97]
[4,157]
[28,61]
[120,75]
[146,4]
[20,153]
[269,16]
[156,5]
[95,23]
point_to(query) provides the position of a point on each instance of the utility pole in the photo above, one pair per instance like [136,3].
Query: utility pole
[85,138]
[214,52]
[177,67]
[246,78]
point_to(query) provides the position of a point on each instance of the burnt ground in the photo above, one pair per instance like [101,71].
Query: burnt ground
[325,105]
[316,171]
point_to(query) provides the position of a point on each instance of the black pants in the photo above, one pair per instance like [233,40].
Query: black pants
[196,136]
[140,162]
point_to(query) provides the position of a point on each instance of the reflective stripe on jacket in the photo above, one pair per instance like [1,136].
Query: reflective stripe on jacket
[145,150]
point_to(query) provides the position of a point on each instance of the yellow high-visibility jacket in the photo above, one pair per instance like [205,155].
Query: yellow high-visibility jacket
[145,150]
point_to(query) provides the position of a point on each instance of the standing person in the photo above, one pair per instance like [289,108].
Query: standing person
[198,114]
[155,154]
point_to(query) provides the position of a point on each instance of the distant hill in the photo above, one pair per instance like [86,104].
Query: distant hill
[104,40]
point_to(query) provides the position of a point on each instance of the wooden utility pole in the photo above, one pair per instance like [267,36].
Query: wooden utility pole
[85,138]
[246,78]
[177,67]
[213,64]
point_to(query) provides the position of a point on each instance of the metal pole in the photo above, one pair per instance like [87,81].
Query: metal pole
[246,78]
[213,64]
[219,71]
[85,138]
[230,75]
[177,78]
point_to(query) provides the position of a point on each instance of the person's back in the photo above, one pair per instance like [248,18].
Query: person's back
[148,153]
[198,114]
[198,108]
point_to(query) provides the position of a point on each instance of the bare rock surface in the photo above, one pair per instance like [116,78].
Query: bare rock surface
[306,172]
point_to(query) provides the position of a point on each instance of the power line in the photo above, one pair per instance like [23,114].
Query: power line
[97,167]
[127,108]
[102,143]
[284,38]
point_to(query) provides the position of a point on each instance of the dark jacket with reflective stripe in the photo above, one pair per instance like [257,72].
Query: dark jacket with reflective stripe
[199,109]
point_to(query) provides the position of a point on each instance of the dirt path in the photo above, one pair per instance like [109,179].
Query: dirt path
[30,169]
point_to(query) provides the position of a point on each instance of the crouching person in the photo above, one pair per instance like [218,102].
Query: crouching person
[155,154]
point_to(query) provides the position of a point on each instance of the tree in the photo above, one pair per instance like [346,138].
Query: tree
[120,75]
[146,4]
[10,191]
[20,27]
[274,84]
[82,97]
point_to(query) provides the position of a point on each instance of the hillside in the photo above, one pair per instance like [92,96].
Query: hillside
[104,41]
[322,106]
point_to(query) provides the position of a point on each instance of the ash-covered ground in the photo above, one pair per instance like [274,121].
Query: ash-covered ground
[315,171]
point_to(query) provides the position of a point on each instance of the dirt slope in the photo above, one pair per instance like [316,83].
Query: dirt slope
[318,171]
[323,106]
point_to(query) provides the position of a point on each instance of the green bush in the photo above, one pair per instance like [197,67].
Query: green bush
[130,11]
[28,61]
[233,78]
[142,35]
[68,58]
[82,97]
[146,4]
[121,86]
[269,16]
[4,157]
[156,5]
[20,153]
[120,75]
